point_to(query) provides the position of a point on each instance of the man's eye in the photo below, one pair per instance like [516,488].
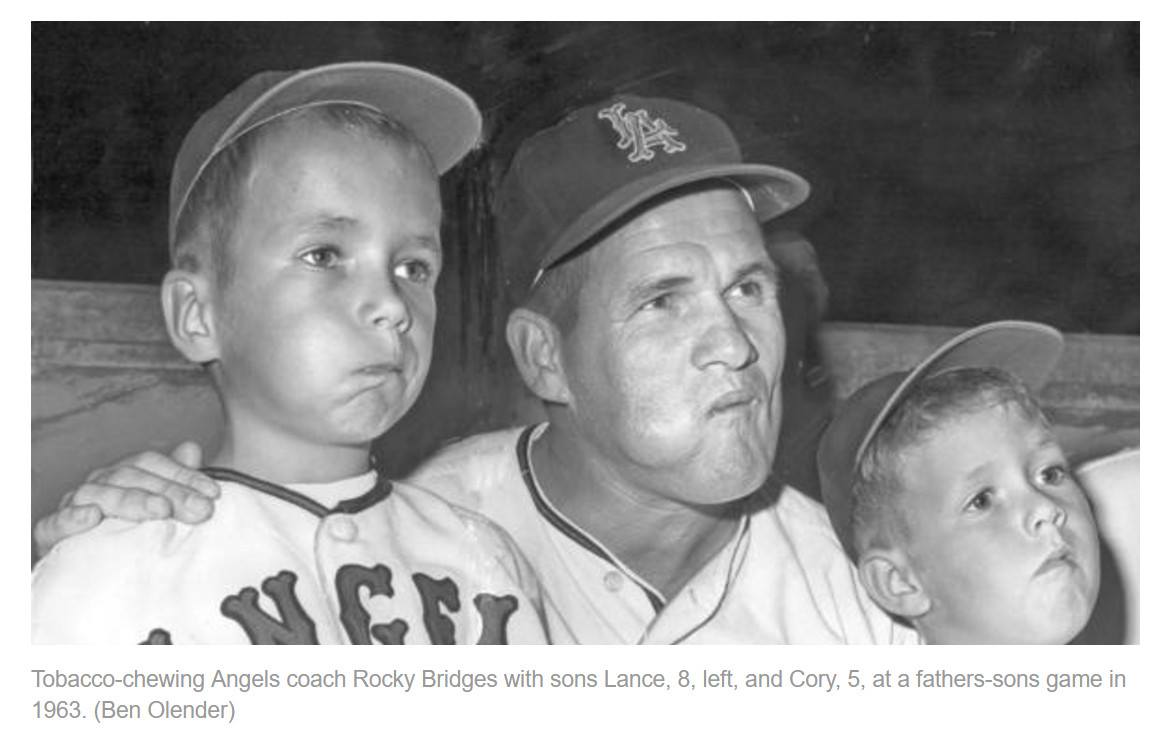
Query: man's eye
[414,270]
[321,257]
[660,302]
[1053,475]
[980,501]
[752,289]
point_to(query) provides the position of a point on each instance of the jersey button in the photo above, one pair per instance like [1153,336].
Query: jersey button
[613,581]
[342,529]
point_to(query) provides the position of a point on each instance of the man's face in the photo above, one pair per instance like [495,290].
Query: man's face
[1000,534]
[674,360]
[325,326]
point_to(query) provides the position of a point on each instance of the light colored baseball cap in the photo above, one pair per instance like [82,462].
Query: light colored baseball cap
[441,116]
[1029,351]
[568,182]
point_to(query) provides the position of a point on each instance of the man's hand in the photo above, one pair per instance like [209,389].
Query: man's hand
[147,486]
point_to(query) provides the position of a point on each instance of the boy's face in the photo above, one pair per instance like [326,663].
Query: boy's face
[325,325]
[1001,536]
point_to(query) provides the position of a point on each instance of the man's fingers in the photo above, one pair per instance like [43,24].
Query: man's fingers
[130,502]
[189,454]
[64,523]
[152,471]
[132,494]
[145,461]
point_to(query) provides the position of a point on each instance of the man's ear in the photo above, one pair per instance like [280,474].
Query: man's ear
[187,308]
[891,582]
[536,348]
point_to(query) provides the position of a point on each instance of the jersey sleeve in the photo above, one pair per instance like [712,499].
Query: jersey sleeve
[124,583]
[93,588]
[512,565]
[502,568]
[466,472]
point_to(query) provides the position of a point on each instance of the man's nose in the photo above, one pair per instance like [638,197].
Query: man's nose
[382,305]
[724,341]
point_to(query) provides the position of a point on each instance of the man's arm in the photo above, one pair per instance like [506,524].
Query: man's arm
[146,486]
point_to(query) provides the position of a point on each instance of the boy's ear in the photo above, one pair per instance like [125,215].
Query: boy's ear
[187,308]
[891,582]
[536,347]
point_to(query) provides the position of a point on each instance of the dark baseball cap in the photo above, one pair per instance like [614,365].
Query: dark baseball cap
[442,117]
[1029,351]
[568,182]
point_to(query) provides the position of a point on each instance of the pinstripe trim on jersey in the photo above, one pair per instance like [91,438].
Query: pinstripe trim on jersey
[549,513]
[380,491]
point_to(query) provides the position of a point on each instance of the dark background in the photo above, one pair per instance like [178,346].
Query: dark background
[963,172]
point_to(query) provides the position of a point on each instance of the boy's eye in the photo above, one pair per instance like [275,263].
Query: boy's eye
[321,257]
[415,270]
[980,501]
[1054,475]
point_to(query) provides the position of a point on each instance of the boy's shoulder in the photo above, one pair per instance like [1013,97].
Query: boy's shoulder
[123,548]
[423,524]
[486,449]
[114,583]
[464,471]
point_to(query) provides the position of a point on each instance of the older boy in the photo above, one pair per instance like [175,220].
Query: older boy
[947,488]
[304,232]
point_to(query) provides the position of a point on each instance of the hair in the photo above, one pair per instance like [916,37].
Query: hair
[935,401]
[208,220]
[555,296]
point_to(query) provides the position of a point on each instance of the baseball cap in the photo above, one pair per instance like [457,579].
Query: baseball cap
[568,182]
[1029,351]
[442,117]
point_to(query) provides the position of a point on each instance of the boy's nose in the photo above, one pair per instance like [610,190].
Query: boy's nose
[383,306]
[1045,511]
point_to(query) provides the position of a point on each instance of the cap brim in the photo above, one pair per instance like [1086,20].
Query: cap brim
[440,115]
[1029,351]
[773,191]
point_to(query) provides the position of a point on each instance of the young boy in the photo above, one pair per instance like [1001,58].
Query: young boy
[304,233]
[946,487]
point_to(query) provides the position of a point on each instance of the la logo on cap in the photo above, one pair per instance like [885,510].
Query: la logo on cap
[639,133]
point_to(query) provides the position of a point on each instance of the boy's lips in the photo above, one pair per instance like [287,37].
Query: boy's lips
[379,369]
[375,375]
[1061,558]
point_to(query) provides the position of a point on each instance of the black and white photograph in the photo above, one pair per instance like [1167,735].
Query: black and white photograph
[599,333]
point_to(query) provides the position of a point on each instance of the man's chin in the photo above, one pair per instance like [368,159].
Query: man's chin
[732,479]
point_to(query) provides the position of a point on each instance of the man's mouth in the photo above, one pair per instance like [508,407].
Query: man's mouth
[734,400]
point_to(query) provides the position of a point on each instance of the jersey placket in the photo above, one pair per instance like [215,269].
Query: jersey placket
[696,602]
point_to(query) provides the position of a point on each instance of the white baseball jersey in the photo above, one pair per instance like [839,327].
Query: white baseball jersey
[362,560]
[1113,484]
[783,579]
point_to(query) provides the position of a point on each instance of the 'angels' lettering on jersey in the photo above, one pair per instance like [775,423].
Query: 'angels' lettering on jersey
[293,625]
[362,591]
